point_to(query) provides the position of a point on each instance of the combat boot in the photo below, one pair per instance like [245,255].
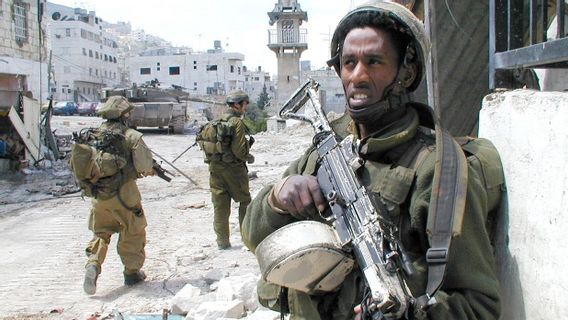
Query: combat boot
[134,278]
[91,276]
[223,244]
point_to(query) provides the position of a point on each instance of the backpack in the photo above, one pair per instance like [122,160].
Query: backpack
[97,159]
[214,138]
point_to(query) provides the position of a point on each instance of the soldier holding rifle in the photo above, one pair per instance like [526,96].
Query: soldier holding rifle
[379,51]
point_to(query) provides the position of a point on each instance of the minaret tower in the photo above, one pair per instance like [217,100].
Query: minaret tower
[288,41]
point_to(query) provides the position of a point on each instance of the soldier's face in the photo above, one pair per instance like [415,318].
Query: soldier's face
[369,63]
[242,107]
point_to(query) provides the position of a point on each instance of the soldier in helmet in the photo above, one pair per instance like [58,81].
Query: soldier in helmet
[227,164]
[379,51]
[117,207]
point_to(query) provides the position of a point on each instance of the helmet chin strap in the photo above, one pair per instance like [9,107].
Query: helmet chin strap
[394,96]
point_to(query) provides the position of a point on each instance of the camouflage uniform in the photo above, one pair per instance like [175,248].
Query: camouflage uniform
[122,213]
[229,177]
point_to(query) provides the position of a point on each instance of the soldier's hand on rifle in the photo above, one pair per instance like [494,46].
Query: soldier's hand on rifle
[251,141]
[299,196]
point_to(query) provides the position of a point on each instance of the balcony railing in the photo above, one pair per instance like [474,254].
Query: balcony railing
[518,37]
[287,37]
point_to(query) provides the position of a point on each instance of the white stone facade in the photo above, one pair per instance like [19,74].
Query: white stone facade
[333,96]
[22,55]
[529,130]
[84,55]
[256,80]
[210,73]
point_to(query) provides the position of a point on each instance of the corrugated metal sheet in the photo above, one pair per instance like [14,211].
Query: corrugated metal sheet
[462,32]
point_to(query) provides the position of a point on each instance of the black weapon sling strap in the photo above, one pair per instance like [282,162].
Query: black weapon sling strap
[447,204]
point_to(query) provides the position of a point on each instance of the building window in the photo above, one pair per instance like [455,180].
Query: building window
[194,67]
[67,32]
[174,70]
[158,69]
[145,71]
[20,22]
[84,51]
[232,69]
[90,53]
[106,57]
[211,67]
[96,54]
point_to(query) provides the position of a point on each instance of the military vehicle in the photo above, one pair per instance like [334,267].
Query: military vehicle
[154,106]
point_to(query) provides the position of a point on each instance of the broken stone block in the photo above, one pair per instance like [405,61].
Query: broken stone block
[185,299]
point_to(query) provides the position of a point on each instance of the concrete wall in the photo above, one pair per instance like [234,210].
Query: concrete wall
[529,129]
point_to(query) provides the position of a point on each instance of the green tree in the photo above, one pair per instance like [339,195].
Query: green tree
[255,118]
[263,99]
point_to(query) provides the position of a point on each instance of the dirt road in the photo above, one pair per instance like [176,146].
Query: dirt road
[43,236]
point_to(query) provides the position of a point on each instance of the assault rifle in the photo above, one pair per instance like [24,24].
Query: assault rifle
[161,172]
[359,227]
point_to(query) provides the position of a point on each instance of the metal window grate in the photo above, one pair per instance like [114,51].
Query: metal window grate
[20,23]
[518,36]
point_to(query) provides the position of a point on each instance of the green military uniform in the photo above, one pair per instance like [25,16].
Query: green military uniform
[229,176]
[122,215]
[391,173]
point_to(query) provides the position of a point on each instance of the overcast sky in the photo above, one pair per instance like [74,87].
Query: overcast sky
[241,25]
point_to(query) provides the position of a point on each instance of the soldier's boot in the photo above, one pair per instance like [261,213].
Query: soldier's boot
[91,276]
[134,278]
[223,244]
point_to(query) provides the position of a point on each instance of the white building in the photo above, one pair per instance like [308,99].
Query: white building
[213,72]
[23,54]
[333,95]
[256,80]
[84,55]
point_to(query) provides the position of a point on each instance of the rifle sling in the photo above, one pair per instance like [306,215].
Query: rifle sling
[447,205]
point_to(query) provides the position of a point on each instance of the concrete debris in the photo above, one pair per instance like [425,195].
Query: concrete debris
[215,275]
[218,309]
[242,288]
[234,298]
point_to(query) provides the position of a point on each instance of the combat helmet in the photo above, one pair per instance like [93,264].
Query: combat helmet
[406,22]
[237,96]
[115,107]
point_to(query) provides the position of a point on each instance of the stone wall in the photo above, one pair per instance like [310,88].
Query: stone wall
[529,129]
[29,50]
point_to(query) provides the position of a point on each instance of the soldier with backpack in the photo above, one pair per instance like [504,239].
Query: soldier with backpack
[227,151]
[428,191]
[106,163]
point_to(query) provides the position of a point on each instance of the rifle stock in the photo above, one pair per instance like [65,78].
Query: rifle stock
[357,223]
